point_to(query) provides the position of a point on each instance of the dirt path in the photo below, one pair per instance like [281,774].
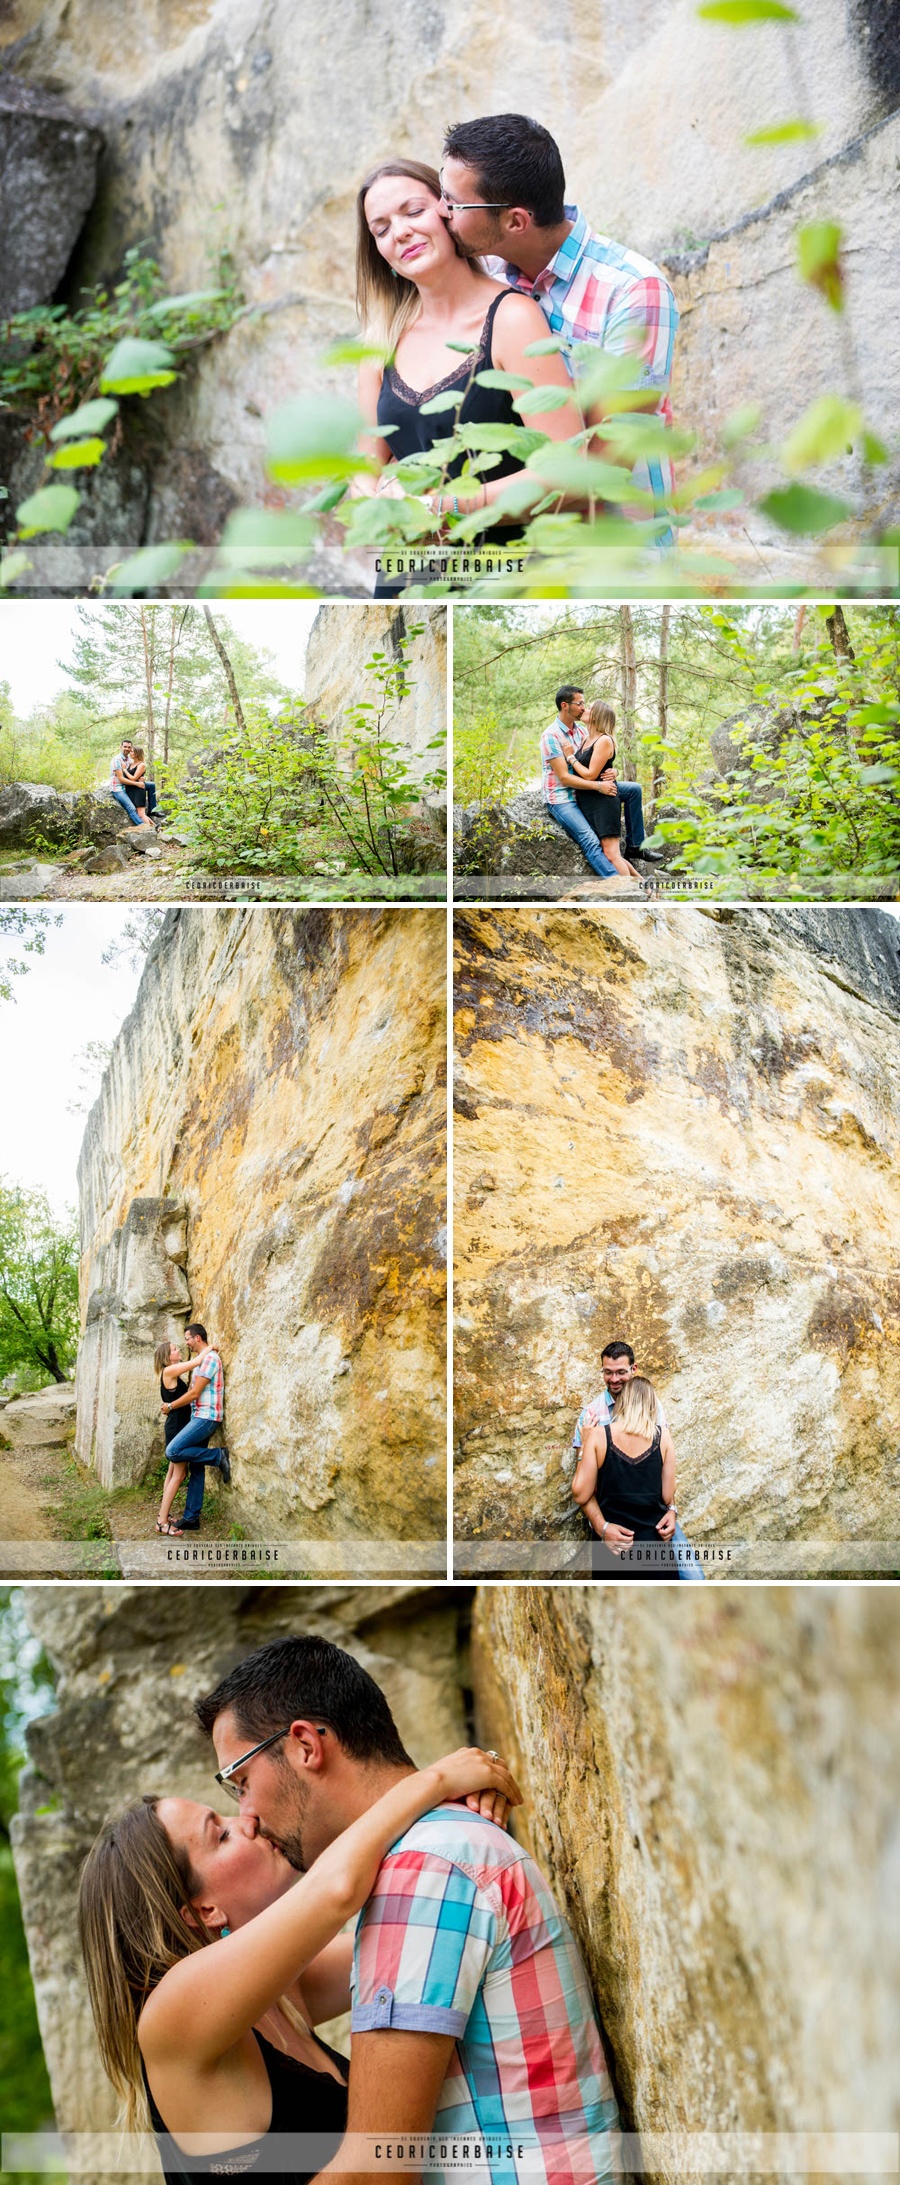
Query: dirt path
[29,1494]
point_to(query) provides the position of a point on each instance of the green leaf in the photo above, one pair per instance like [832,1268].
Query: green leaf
[880,773]
[194,300]
[314,436]
[826,429]
[784,132]
[282,532]
[52,509]
[542,398]
[77,455]
[464,348]
[137,367]
[148,568]
[568,472]
[801,509]
[747,11]
[741,424]
[92,417]
[356,352]
[819,259]
[448,400]
[12,566]
[550,346]
[729,497]
[509,380]
[874,450]
[502,439]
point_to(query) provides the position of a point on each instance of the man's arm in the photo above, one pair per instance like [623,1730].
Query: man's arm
[395,2082]
[195,1391]
[563,774]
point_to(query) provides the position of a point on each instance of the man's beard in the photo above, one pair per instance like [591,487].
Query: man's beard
[291,1843]
[292,1848]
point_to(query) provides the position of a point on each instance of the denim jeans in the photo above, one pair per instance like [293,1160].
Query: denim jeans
[120,796]
[190,1446]
[632,805]
[686,1569]
[573,822]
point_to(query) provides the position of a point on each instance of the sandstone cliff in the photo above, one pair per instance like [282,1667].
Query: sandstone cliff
[681,1127]
[710,1783]
[266,1157]
[229,123]
[340,644]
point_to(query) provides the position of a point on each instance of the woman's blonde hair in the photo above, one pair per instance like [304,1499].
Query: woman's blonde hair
[386,302]
[134,1883]
[635,1408]
[601,717]
[161,1356]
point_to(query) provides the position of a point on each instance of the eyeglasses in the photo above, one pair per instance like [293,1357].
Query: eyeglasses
[237,1791]
[455,204]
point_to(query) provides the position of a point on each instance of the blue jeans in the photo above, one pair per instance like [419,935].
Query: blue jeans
[190,1446]
[120,796]
[687,1570]
[632,805]
[573,822]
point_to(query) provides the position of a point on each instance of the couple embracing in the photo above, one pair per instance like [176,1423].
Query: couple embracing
[213,1949]
[487,258]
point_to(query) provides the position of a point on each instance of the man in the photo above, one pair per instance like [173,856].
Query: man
[504,191]
[566,737]
[472,2013]
[117,778]
[206,1398]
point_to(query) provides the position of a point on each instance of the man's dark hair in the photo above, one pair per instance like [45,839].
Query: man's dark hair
[196,1328]
[517,162]
[566,693]
[295,1678]
[617,1350]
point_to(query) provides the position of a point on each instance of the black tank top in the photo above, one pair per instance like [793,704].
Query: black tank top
[303,2101]
[401,406]
[176,1419]
[629,1489]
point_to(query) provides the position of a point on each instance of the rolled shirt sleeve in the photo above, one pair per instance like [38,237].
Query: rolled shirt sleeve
[422,1947]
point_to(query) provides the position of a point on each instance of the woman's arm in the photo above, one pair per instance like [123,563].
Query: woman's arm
[371,444]
[203,2005]
[667,1447]
[586,1480]
[518,323]
[172,1374]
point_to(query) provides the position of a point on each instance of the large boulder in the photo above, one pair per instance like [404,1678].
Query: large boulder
[48,176]
[43,1420]
[761,731]
[32,812]
[514,838]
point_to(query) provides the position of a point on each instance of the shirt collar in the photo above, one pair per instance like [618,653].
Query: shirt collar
[565,259]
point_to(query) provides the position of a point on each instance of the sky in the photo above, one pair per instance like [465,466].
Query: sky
[66,998]
[36,634]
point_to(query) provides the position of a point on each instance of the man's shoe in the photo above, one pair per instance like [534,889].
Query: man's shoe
[192,1526]
[225,1466]
[650,857]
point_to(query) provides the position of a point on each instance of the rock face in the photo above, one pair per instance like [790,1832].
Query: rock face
[131,1661]
[698,1787]
[48,176]
[43,1420]
[762,731]
[237,107]
[30,810]
[266,1157]
[681,1128]
[514,838]
[339,648]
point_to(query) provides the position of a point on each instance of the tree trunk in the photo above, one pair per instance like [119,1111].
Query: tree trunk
[148,637]
[799,621]
[629,692]
[171,674]
[659,773]
[839,635]
[228,672]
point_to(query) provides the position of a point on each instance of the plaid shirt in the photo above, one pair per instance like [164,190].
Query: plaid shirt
[211,1405]
[554,790]
[461,1935]
[595,291]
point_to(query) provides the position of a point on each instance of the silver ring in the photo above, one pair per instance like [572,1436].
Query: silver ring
[491,1753]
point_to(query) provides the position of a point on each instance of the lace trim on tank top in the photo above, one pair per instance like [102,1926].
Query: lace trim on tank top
[623,1453]
[415,395]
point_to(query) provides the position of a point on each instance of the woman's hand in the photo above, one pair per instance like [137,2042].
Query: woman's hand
[617,1538]
[486,1784]
[667,1525]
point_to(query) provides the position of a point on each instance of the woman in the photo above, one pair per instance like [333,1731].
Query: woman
[602,810]
[625,1483]
[168,1362]
[135,783]
[218,2044]
[421,300]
